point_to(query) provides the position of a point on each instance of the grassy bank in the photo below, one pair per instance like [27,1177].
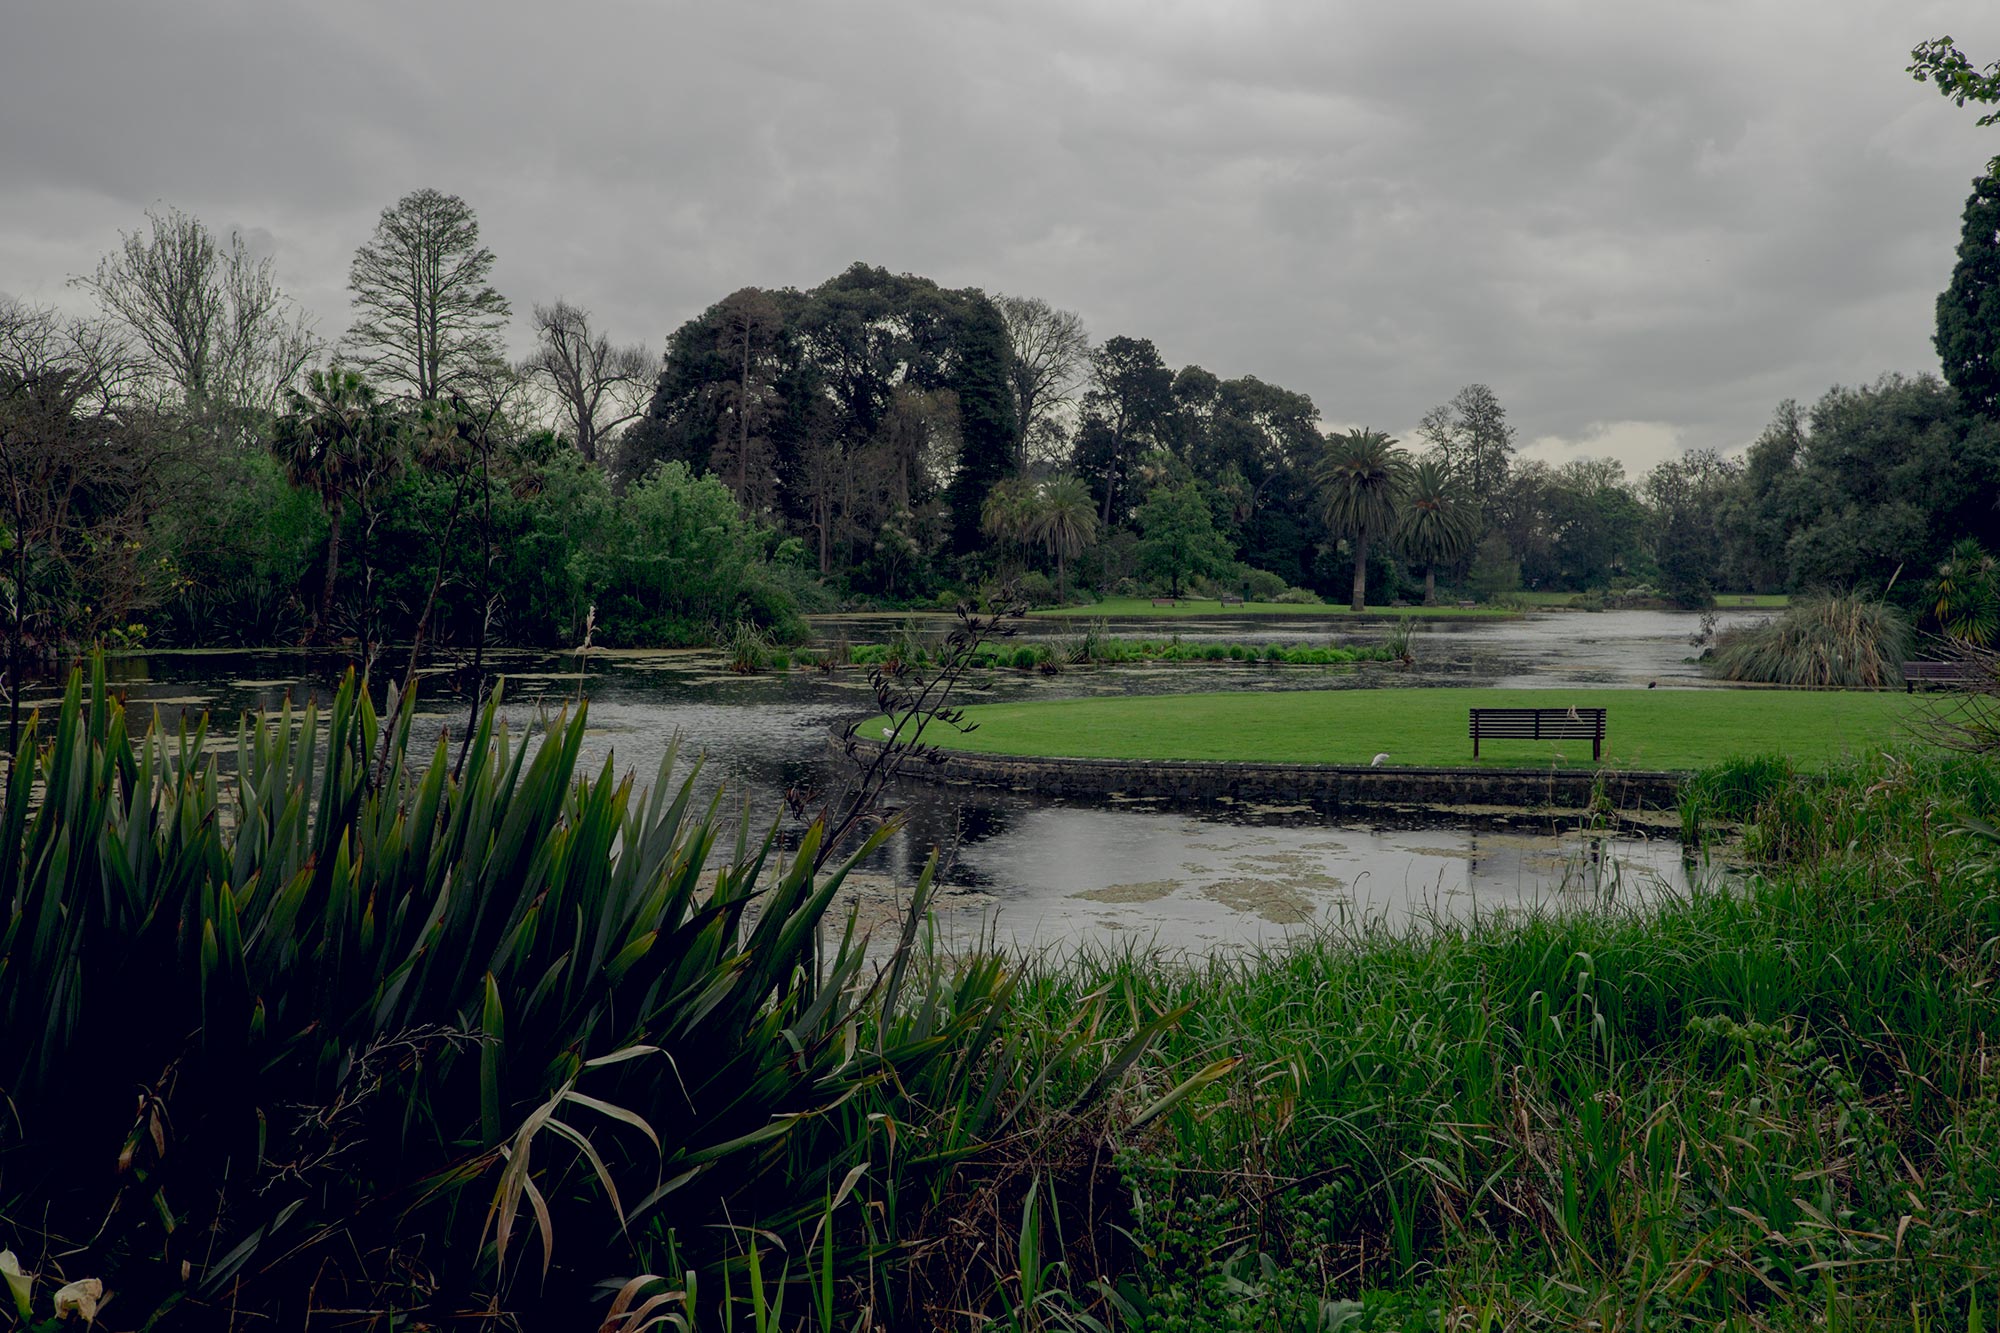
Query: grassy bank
[1101,650]
[1209,608]
[1660,729]
[1774,1107]
[1724,601]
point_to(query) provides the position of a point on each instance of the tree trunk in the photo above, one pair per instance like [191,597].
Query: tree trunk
[586,434]
[743,425]
[1430,585]
[317,634]
[1062,579]
[1360,575]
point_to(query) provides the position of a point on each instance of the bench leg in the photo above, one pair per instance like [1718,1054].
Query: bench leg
[1475,745]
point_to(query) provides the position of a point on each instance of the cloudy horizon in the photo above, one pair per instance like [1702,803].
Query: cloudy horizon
[1643,230]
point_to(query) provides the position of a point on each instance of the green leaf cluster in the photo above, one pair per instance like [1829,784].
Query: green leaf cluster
[350,1028]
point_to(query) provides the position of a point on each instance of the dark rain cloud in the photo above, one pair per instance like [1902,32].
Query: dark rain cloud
[1643,225]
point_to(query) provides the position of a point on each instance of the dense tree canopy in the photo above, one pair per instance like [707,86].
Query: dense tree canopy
[873,399]
[881,438]
[1968,311]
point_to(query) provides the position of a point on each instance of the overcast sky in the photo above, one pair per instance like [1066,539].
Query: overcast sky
[1642,223]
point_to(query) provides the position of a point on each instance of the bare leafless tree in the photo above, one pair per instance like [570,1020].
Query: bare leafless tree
[426,319]
[206,316]
[76,458]
[598,386]
[912,697]
[1051,358]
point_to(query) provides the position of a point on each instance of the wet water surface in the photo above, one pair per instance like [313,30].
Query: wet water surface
[1041,871]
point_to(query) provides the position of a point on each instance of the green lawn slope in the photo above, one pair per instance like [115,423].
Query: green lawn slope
[1645,729]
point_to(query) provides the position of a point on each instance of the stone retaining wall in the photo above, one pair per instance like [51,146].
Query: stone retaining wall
[1200,782]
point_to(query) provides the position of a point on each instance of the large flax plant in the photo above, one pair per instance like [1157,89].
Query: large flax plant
[341,1032]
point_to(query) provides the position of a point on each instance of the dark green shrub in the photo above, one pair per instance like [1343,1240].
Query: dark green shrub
[1263,585]
[344,1031]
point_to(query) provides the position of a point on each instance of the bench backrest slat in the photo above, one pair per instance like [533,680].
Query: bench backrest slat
[1539,724]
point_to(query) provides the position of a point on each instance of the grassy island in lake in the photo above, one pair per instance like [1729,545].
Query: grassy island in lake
[1651,729]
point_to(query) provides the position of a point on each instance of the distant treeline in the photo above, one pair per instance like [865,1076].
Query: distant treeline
[839,417]
[192,465]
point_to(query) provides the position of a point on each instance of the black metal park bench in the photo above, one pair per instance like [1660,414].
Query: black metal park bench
[1539,724]
[1946,673]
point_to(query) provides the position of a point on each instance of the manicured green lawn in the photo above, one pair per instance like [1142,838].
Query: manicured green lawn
[1209,607]
[1652,729]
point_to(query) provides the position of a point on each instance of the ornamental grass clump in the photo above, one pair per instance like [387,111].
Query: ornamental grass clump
[1823,641]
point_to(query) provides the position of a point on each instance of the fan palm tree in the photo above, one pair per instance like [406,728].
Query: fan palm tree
[322,442]
[1008,515]
[1437,524]
[1361,478]
[1066,522]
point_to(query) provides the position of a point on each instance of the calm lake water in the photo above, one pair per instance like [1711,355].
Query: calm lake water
[1040,871]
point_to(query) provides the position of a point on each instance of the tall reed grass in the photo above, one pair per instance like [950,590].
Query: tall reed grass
[1773,1103]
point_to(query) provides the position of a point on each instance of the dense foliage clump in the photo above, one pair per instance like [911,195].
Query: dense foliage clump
[1820,642]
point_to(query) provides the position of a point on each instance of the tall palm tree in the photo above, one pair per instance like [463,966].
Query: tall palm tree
[1437,524]
[1361,478]
[1066,522]
[1008,515]
[322,441]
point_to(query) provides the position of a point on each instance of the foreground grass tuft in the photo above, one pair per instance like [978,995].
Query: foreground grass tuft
[1774,1104]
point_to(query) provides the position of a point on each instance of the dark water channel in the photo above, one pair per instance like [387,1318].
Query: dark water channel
[1045,871]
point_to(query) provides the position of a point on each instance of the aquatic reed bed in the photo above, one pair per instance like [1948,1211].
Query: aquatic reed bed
[1091,649]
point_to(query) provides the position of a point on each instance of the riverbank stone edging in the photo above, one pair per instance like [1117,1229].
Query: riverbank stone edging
[1202,781]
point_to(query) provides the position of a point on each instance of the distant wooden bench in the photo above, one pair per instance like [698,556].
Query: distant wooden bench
[1938,673]
[1165,601]
[1230,601]
[1539,724]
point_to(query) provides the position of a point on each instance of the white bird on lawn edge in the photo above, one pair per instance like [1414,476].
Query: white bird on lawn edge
[1376,762]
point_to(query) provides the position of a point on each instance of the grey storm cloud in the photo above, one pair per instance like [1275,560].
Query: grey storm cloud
[1643,224]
